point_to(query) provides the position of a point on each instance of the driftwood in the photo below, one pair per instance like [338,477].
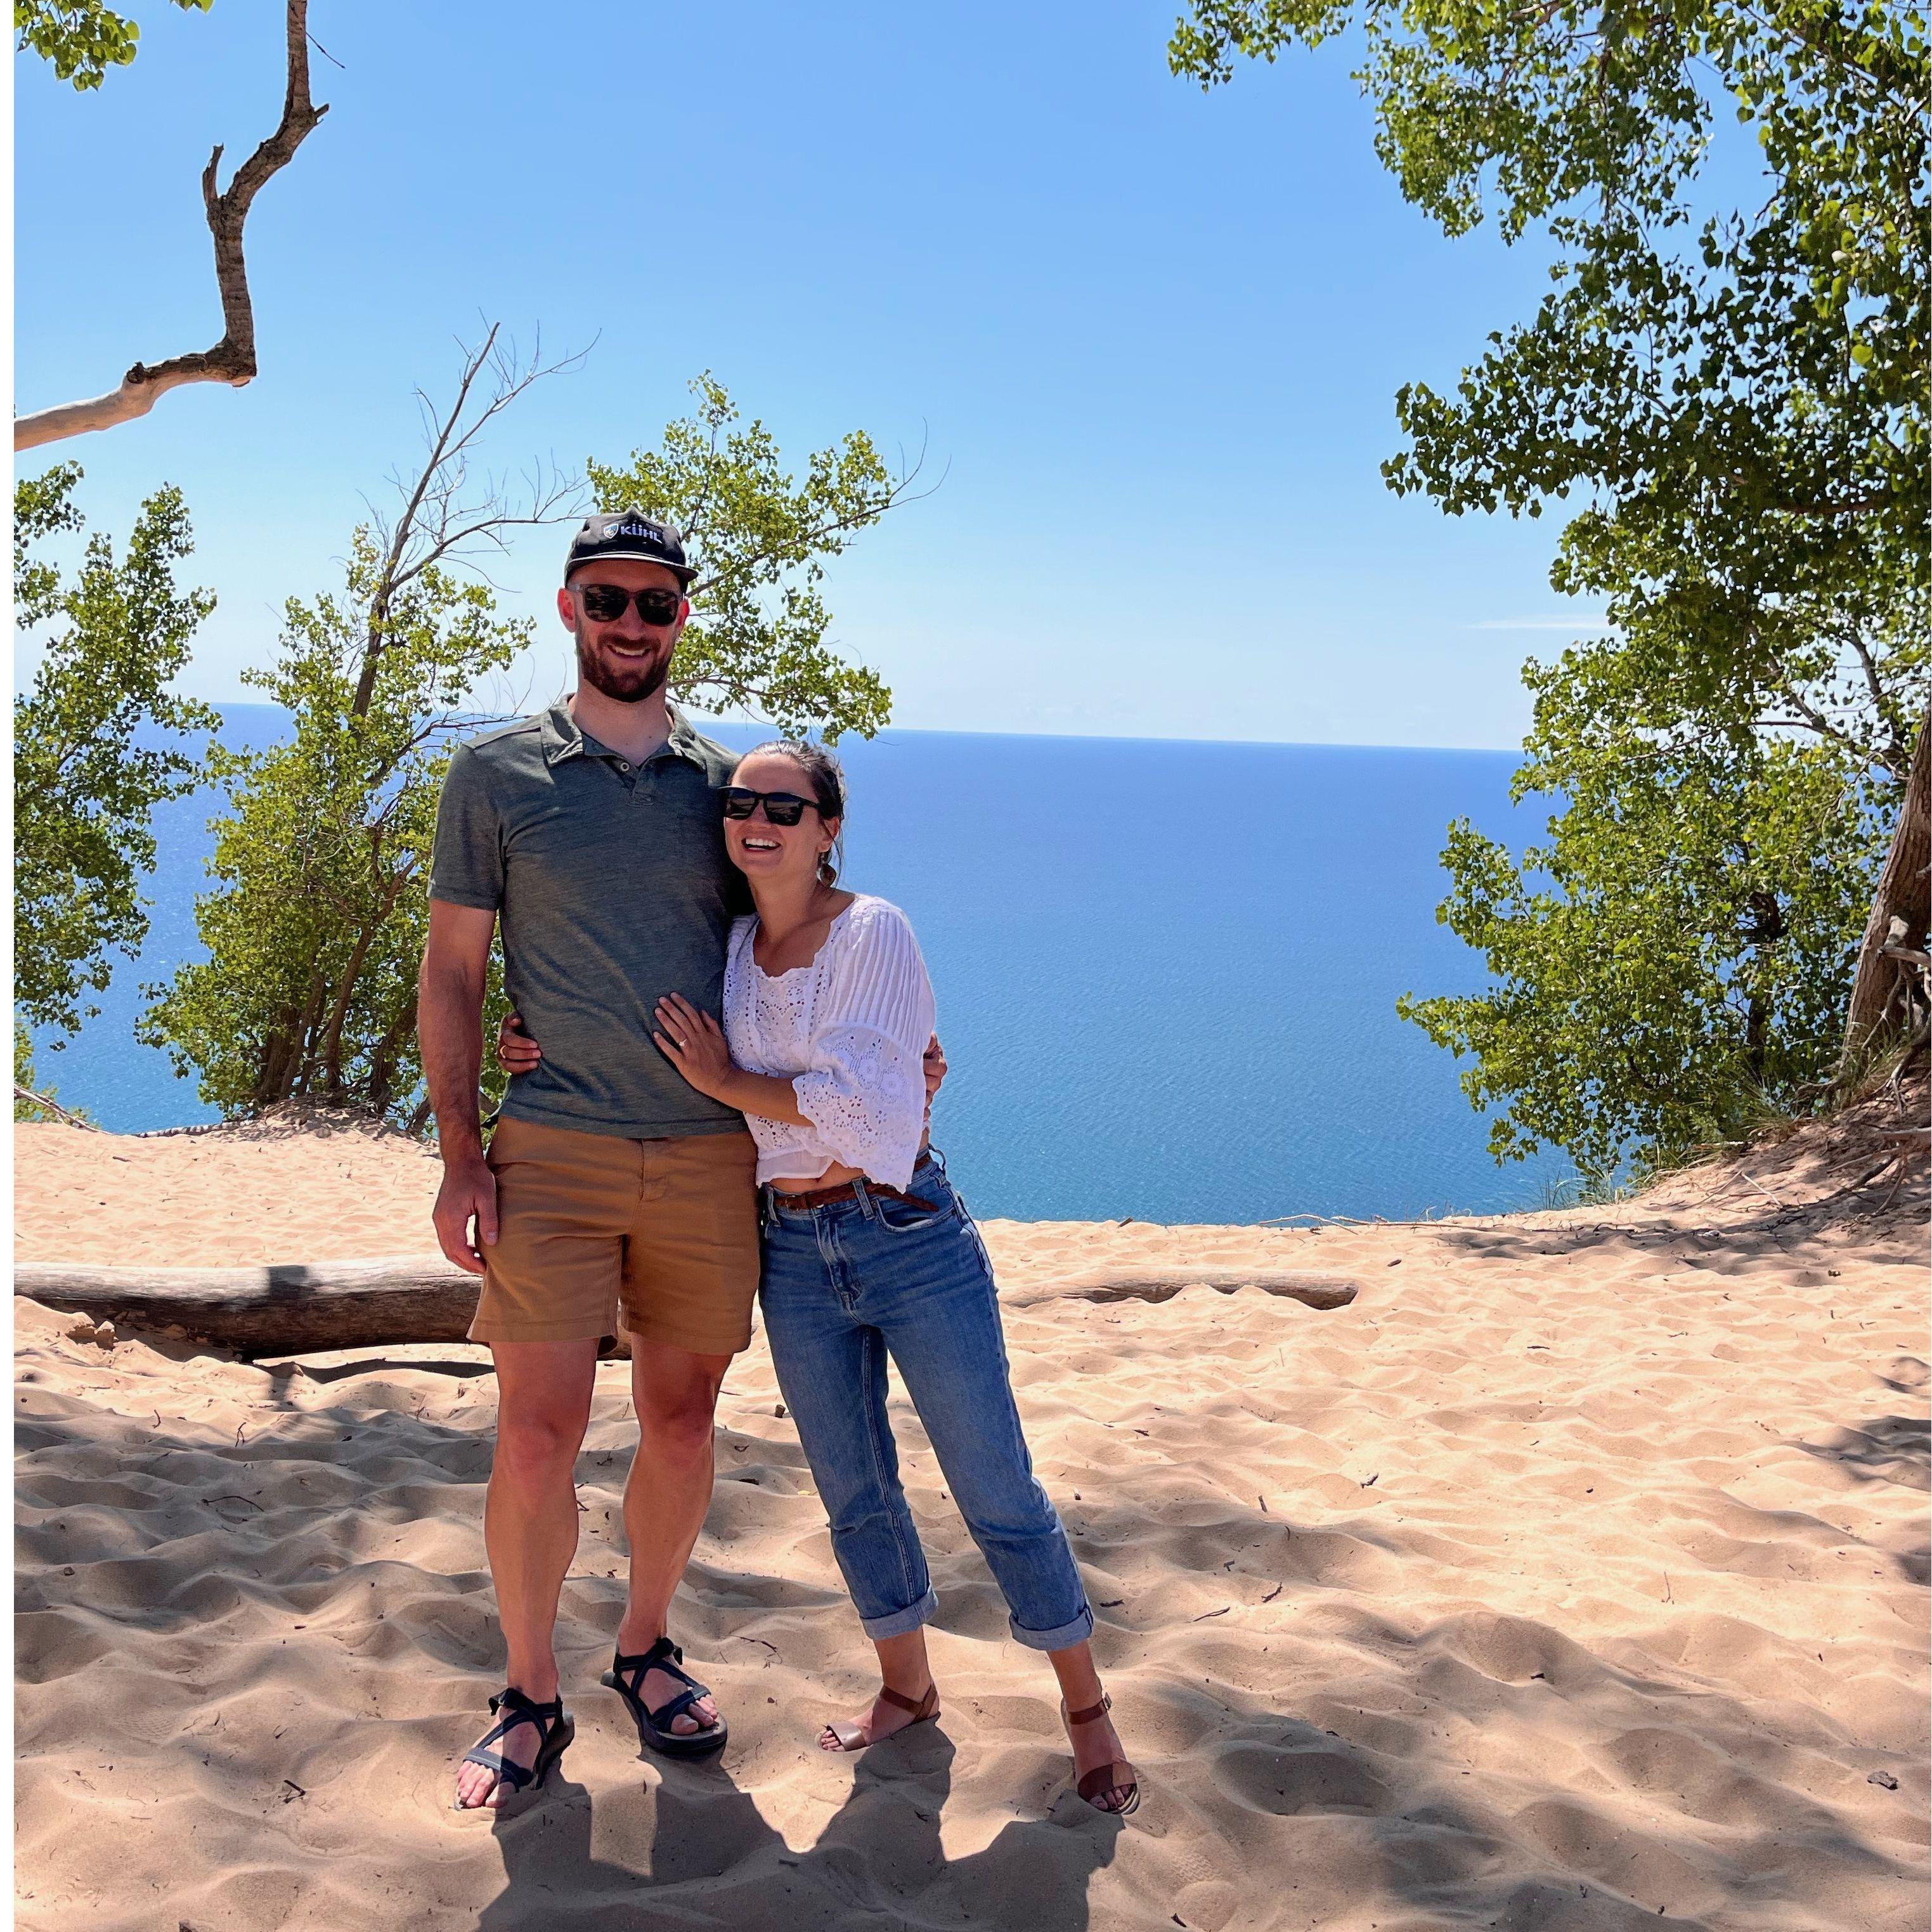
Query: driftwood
[232,360]
[298,1308]
[34,1100]
[291,1309]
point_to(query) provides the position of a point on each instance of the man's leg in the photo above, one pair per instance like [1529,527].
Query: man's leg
[691,1275]
[676,1392]
[529,1522]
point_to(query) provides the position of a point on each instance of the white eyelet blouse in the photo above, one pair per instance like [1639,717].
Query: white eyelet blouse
[849,1030]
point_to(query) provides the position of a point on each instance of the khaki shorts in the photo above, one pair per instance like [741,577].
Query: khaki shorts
[590,1226]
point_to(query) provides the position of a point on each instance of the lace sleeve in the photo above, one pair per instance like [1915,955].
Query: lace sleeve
[865,1097]
[864,1093]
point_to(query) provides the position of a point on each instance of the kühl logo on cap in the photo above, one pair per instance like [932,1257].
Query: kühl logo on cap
[634,526]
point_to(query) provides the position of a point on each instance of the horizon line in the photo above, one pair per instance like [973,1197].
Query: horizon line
[710,718]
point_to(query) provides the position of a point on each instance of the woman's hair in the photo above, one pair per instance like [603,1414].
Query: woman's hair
[828,790]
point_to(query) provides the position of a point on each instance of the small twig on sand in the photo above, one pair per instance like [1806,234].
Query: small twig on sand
[1207,1615]
[1762,1189]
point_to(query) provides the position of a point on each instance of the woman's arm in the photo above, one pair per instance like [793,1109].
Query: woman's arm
[864,1093]
[693,1042]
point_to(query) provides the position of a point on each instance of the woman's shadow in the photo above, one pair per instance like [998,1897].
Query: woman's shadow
[714,1860]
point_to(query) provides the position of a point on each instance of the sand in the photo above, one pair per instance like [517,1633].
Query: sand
[1571,1579]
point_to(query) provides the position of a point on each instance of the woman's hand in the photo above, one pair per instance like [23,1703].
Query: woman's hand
[693,1042]
[517,1052]
[935,1073]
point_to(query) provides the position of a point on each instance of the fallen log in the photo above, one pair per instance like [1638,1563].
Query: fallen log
[1162,1284]
[289,1309]
[296,1308]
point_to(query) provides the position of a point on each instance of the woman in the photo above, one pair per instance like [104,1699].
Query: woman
[867,1251]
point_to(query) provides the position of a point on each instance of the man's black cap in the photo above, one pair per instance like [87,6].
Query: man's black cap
[629,533]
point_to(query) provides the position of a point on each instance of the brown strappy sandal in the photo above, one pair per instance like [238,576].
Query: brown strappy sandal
[852,1737]
[1118,1775]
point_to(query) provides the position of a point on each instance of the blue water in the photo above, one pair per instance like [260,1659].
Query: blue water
[1166,971]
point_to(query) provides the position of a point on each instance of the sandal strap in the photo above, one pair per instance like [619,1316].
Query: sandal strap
[1092,1711]
[525,1706]
[665,1656]
[673,1707]
[916,1705]
[1119,1776]
[515,1775]
[523,1710]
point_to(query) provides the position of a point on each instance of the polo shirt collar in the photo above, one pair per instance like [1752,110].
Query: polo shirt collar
[562,737]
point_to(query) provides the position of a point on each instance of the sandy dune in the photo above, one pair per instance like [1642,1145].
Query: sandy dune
[1572,1579]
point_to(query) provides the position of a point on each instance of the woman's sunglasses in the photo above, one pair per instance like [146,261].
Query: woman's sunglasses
[781,808]
[605,603]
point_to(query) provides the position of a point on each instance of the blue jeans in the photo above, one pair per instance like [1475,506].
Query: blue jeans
[843,1285]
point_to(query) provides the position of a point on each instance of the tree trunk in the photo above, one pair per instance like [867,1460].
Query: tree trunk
[292,1308]
[1902,897]
[298,1308]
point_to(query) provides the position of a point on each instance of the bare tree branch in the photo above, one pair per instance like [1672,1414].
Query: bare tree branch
[441,517]
[232,360]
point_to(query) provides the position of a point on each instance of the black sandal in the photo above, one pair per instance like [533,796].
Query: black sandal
[654,1727]
[554,1724]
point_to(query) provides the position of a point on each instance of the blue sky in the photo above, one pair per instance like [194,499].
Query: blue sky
[1151,337]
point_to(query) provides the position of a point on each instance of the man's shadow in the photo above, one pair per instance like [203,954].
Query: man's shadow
[713,1859]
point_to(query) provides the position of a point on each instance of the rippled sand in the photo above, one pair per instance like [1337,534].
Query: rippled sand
[1571,1579]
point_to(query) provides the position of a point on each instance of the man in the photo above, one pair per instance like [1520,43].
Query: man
[612,1192]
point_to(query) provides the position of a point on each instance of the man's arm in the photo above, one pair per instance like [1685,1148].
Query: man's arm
[449,1027]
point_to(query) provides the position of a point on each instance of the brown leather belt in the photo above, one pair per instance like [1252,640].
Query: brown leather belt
[824,1197]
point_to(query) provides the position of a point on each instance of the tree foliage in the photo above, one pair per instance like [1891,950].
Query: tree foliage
[315,928]
[1671,964]
[1735,401]
[87,773]
[757,638]
[81,39]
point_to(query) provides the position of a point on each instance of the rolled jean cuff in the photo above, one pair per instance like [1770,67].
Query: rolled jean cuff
[902,1623]
[1064,1638]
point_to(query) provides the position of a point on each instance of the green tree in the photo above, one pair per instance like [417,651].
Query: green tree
[315,927]
[87,772]
[1673,962]
[81,39]
[1736,402]
[756,639]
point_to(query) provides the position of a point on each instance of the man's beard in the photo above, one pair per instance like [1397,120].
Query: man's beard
[627,684]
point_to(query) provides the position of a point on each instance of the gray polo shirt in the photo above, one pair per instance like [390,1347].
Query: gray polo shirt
[612,889]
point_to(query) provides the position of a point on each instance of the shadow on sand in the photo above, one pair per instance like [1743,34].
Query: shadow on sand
[712,1858]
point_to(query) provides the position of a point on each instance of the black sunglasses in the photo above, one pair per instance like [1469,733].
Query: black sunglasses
[781,808]
[605,603]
